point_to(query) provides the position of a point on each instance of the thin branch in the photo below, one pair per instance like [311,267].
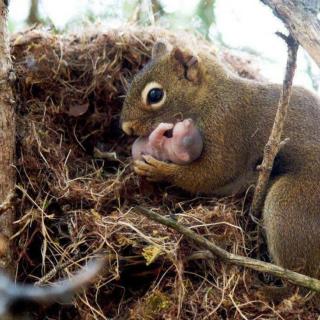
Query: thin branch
[275,143]
[292,276]
[7,204]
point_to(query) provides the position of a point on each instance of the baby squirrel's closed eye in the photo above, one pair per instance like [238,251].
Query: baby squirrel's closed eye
[187,141]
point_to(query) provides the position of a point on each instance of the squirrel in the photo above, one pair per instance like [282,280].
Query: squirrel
[182,147]
[235,116]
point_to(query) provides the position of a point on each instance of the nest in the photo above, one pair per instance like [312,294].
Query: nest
[77,192]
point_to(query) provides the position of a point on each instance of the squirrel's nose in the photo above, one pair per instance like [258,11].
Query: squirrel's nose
[127,127]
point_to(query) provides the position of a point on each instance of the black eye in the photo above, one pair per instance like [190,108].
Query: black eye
[155,95]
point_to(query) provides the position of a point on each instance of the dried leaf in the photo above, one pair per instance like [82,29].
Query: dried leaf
[78,110]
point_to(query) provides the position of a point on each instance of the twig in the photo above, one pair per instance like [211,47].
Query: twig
[7,203]
[275,143]
[292,276]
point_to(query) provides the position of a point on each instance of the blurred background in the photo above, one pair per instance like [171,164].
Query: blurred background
[247,28]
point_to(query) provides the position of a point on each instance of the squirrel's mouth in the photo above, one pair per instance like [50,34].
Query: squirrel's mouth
[135,128]
[141,128]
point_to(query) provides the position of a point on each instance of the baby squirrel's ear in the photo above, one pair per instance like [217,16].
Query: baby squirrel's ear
[190,64]
[159,49]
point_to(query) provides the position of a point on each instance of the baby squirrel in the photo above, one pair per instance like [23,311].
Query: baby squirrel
[235,117]
[183,147]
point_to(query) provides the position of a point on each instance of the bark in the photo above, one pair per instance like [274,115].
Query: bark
[33,17]
[7,141]
[274,143]
[292,276]
[300,17]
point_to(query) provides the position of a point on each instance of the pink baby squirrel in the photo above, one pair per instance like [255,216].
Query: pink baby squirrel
[183,147]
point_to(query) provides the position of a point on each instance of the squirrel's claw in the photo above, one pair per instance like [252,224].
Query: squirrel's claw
[139,168]
[153,169]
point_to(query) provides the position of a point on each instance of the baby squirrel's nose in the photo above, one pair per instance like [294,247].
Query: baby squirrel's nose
[127,128]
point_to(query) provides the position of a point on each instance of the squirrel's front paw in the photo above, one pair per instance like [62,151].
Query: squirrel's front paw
[153,169]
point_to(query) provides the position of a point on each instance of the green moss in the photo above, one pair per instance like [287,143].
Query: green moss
[156,303]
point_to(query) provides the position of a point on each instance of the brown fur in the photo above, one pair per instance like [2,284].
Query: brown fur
[235,116]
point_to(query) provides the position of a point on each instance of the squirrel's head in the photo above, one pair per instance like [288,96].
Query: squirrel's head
[165,90]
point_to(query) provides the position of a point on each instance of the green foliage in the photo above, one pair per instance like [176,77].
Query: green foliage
[197,15]
[205,11]
[11,26]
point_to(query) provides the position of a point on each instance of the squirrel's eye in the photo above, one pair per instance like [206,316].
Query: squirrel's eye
[155,95]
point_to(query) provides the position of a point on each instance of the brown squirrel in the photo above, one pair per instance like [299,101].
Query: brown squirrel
[235,117]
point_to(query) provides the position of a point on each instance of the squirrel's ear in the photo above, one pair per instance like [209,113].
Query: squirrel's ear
[190,64]
[159,49]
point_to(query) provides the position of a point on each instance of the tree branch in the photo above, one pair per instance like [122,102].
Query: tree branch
[294,277]
[7,140]
[33,17]
[300,17]
[275,143]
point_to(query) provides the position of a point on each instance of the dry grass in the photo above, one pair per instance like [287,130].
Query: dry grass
[72,204]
